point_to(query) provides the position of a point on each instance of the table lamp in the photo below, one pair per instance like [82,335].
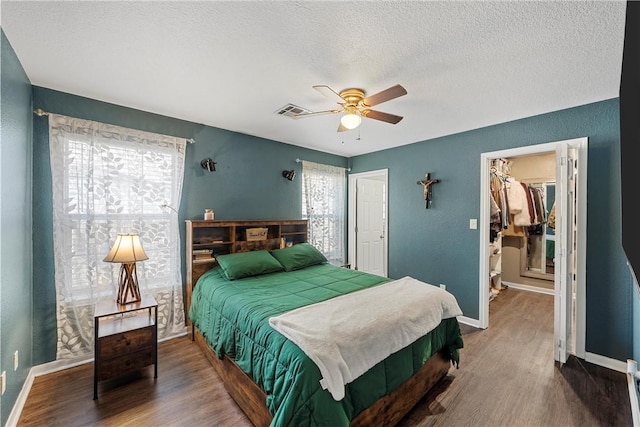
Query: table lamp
[127,249]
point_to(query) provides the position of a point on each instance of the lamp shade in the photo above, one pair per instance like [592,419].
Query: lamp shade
[351,120]
[126,249]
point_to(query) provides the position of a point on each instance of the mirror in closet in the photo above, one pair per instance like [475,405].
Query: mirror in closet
[538,253]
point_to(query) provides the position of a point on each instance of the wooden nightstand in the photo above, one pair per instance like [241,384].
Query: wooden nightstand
[125,338]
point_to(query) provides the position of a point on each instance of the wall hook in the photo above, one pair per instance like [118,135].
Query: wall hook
[289,174]
[208,164]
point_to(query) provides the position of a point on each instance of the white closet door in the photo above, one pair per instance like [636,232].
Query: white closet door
[565,255]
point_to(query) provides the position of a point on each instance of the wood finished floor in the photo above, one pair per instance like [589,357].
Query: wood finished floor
[507,377]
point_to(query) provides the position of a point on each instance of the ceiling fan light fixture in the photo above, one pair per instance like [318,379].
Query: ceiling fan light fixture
[355,105]
[351,120]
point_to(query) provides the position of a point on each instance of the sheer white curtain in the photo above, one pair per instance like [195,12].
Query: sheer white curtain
[107,180]
[323,202]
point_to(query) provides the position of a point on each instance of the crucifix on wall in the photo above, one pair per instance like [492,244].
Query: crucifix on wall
[426,183]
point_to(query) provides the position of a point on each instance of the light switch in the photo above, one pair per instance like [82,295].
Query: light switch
[473,224]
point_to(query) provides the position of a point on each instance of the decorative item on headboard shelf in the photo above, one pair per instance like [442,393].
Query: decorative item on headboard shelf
[426,183]
[254,234]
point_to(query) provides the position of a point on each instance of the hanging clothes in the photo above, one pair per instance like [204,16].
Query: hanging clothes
[530,200]
[499,204]
[538,200]
[515,205]
[499,181]
[519,199]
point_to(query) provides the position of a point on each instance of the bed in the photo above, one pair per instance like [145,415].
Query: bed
[269,376]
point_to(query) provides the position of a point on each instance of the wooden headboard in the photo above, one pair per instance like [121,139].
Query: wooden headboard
[206,239]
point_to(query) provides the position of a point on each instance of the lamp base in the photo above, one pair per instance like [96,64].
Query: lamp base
[128,290]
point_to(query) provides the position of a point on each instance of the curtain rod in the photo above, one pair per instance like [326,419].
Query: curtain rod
[347,169]
[40,112]
[300,161]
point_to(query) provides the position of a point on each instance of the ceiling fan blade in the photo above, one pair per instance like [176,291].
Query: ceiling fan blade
[315,113]
[386,95]
[329,93]
[342,128]
[379,115]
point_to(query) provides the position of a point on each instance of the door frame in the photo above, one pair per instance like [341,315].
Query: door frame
[352,209]
[581,144]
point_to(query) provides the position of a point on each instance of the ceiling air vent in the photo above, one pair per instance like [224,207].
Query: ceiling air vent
[291,110]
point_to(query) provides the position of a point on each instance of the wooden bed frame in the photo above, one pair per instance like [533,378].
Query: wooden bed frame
[386,411]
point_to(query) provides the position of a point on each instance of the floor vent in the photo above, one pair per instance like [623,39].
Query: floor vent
[292,111]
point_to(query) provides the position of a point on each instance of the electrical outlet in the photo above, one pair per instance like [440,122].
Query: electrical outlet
[4,381]
[473,224]
[15,361]
[443,286]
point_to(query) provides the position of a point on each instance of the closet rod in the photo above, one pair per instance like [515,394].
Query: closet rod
[40,112]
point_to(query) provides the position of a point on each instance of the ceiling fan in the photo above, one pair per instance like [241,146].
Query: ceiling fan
[354,103]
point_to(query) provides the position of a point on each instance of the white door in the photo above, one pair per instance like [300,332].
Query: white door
[566,253]
[370,226]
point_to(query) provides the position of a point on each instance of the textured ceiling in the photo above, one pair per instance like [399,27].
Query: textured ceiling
[233,64]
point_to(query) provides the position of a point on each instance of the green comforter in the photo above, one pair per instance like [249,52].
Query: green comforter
[233,316]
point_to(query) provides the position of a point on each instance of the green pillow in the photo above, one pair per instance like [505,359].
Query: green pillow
[245,264]
[298,256]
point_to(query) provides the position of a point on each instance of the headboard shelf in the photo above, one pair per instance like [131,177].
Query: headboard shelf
[205,261]
[226,237]
[211,244]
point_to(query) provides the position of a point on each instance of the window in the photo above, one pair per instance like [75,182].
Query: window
[108,180]
[323,202]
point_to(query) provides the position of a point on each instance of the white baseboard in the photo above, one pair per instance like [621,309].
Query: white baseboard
[469,321]
[606,362]
[632,383]
[49,368]
[529,288]
[16,411]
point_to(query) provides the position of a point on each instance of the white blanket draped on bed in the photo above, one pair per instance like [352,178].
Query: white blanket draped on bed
[348,335]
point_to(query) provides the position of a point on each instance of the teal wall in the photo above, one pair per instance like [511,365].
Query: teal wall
[15,225]
[434,245]
[247,184]
[437,246]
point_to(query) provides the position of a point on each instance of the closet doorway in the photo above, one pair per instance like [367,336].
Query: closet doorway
[569,265]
